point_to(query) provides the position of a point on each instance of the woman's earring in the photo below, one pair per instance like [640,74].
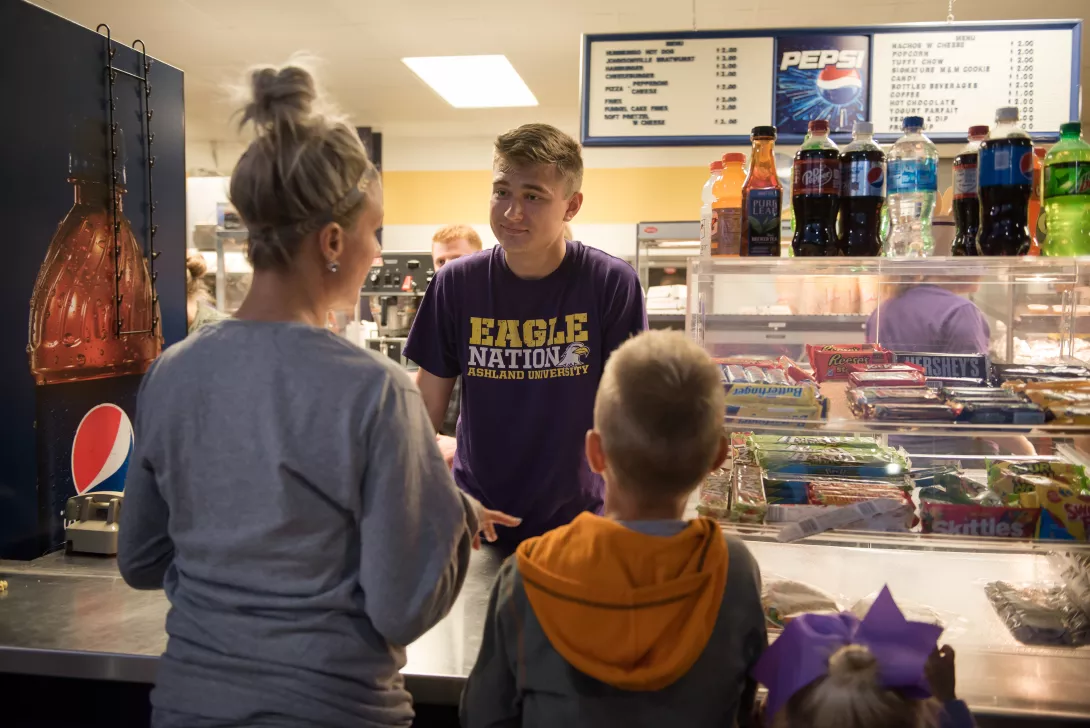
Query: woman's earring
[333,266]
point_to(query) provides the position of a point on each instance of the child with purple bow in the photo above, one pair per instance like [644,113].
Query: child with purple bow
[836,671]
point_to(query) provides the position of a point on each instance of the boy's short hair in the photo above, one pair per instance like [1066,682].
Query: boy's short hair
[543,144]
[659,412]
[449,233]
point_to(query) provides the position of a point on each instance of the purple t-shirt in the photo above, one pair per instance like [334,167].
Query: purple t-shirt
[530,354]
[930,319]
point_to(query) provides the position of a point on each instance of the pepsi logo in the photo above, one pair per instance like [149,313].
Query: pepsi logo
[874,176]
[102,449]
[839,86]
[1026,163]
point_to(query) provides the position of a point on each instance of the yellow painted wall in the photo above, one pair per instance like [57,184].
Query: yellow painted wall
[610,195]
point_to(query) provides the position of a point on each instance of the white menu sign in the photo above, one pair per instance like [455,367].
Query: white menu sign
[690,87]
[955,79]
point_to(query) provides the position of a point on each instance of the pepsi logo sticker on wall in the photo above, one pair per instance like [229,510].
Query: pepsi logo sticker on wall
[102,449]
[821,77]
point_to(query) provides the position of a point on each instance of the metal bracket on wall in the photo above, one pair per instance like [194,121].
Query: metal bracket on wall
[111,72]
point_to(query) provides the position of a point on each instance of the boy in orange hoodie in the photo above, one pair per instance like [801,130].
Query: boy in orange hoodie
[638,618]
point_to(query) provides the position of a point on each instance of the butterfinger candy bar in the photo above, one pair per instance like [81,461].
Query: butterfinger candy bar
[774,394]
[910,378]
[1060,397]
[963,368]
[911,412]
[836,361]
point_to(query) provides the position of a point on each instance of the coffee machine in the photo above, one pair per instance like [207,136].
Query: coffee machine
[390,297]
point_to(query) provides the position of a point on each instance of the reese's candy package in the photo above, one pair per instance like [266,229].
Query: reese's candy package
[835,361]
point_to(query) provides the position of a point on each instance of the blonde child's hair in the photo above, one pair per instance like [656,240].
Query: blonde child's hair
[300,170]
[850,696]
[659,411]
[542,144]
[449,233]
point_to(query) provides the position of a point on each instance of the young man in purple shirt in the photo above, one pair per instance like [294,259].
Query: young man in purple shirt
[528,325]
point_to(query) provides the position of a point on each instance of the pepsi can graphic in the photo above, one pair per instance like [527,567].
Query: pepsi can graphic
[821,77]
[85,443]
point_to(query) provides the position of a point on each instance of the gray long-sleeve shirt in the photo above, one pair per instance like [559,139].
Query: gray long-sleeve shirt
[287,493]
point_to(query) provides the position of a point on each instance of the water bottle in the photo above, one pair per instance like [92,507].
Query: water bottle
[707,196]
[912,185]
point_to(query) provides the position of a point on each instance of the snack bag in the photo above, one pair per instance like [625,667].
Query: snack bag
[748,504]
[1065,513]
[783,600]
[1008,477]
[715,495]
[977,520]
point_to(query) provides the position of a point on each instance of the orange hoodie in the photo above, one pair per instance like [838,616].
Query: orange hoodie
[632,610]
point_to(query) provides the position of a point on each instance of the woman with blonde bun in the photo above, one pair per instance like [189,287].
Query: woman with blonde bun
[286,490]
[199,311]
[837,671]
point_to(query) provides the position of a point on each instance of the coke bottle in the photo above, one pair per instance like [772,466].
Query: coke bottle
[815,192]
[762,197]
[1006,179]
[966,203]
[94,330]
[862,176]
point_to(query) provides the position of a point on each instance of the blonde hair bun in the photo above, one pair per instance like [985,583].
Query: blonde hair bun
[854,665]
[281,98]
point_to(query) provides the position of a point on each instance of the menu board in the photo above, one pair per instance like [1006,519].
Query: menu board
[712,87]
[957,79]
[702,87]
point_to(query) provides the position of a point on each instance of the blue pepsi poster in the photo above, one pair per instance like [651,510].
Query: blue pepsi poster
[821,77]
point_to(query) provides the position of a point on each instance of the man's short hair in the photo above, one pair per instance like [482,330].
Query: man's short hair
[659,412]
[546,145]
[449,233]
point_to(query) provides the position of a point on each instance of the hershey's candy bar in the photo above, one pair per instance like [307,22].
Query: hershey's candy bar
[967,368]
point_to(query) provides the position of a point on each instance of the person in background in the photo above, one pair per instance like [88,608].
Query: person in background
[937,317]
[837,671]
[286,490]
[199,310]
[450,243]
[528,325]
[931,317]
[640,618]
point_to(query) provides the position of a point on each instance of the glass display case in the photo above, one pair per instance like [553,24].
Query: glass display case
[956,476]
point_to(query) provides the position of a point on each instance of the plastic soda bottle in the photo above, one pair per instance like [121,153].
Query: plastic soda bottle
[862,179]
[727,207]
[1066,192]
[1006,181]
[707,196]
[762,197]
[966,202]
[815,193]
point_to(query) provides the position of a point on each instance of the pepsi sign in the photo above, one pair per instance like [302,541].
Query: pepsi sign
[821,77]
[102,449]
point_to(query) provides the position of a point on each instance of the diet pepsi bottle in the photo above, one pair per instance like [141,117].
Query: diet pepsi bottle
[862,178]
[1006,180]
[94,331]
[815,193]
[966,201]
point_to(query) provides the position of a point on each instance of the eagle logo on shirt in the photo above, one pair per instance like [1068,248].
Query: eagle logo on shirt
[573,355]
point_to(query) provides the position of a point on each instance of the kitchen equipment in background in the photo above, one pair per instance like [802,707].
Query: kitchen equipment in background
[91,522]
[390,297]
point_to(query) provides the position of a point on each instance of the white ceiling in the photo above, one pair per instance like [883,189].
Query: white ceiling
[361,43]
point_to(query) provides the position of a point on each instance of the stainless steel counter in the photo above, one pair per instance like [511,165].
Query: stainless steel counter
[74,617]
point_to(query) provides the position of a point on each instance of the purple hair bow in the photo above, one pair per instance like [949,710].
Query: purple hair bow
[801,654]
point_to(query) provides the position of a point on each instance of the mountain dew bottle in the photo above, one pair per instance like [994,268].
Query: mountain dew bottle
[1066,193]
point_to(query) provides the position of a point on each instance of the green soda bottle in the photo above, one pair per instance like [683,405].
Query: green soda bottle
[1066,193]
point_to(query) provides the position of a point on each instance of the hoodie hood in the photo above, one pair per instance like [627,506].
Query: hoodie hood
[632,610]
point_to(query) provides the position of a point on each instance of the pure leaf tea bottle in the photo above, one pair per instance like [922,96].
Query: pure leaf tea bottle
[762,198]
